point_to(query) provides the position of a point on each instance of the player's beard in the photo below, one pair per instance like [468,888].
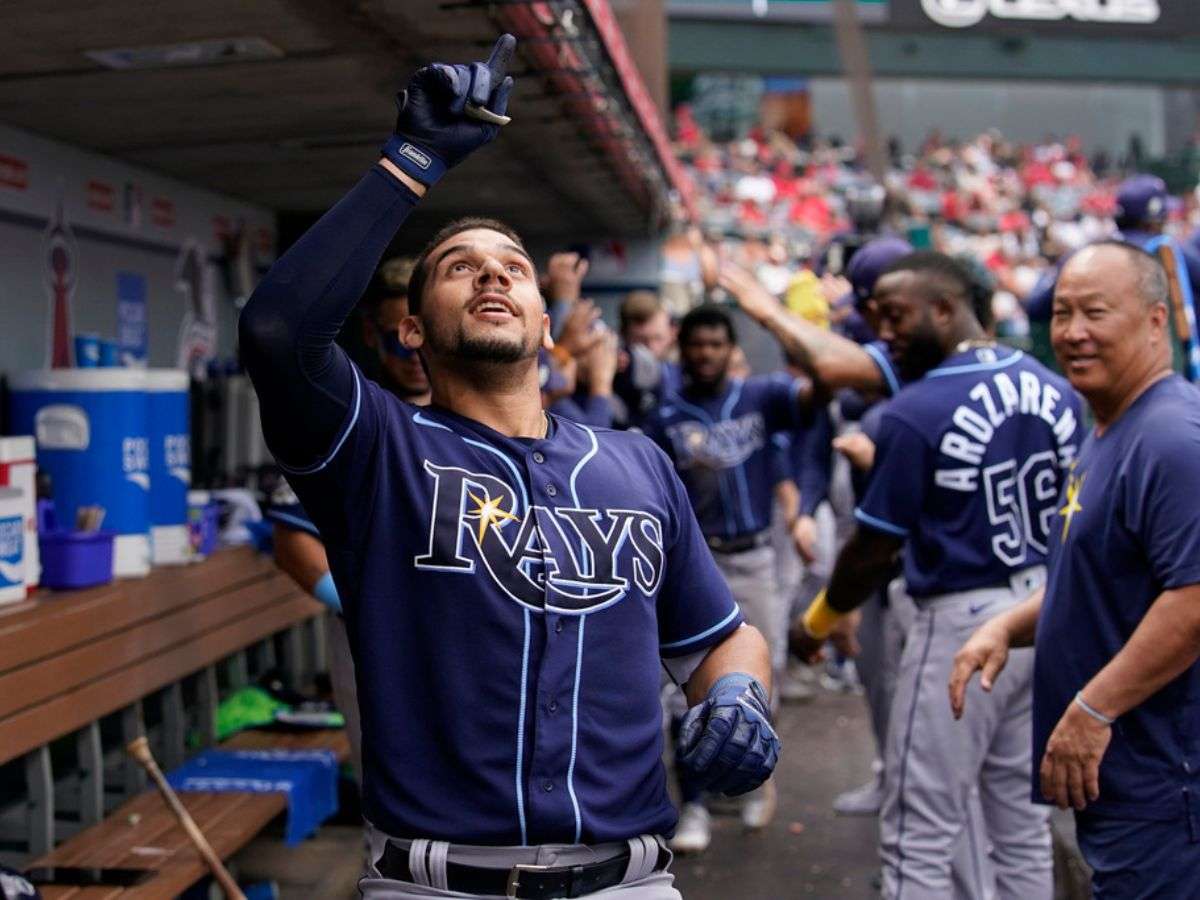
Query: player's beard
[493,349]
[922,353]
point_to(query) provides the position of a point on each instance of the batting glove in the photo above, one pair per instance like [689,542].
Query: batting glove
[446,112]
[726,743]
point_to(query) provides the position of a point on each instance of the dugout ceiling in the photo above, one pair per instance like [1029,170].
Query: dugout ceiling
[291,117]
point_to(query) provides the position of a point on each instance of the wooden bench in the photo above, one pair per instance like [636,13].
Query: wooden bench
[69,660]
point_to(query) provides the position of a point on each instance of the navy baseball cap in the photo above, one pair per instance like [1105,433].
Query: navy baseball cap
[1142,198]
[869,263]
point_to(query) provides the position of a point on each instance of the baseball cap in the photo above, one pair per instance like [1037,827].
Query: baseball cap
[1142,198]
[870,262]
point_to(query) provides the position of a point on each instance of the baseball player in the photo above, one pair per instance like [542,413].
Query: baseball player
[1116,680]
[716,429]
[510,580]
[965,480]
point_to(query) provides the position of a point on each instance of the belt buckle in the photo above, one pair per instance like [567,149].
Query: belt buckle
[514,876]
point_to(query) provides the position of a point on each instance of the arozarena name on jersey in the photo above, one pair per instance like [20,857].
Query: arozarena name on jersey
[563,559]
[721,445]
[995,401]
[965,13]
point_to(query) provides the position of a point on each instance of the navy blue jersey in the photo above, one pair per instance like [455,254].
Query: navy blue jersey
[284,508]
[805,459]
[720,445]
[508,602]
[1126,529]
[968,466]
[882,357]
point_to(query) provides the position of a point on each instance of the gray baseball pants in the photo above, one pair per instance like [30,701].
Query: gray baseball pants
[640,883]
[934,763]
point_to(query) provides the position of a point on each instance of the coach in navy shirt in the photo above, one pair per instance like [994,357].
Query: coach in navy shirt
[511,580]
[1116,684]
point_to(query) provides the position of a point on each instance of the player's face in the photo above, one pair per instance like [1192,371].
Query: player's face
[706,354]
[481,302]
[1103,335]
[905,321]
[403,366]
[654,334]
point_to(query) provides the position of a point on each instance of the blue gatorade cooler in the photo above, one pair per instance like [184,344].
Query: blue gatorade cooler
[91,432]
[170,465]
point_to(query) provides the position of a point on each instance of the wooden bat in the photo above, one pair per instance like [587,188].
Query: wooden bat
[1182,330]
[139,749]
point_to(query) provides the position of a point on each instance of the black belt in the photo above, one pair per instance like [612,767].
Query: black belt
[527,881]
[739,544]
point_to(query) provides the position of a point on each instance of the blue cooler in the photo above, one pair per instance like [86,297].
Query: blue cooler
[90,426]
[170,465]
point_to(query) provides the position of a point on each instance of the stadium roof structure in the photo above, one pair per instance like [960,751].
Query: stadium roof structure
[284,102]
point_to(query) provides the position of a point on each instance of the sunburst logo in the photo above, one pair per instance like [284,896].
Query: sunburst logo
[1074,486]
[490,514]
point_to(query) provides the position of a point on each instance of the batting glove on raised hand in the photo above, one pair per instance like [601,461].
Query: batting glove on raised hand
[726,743]
[446,112]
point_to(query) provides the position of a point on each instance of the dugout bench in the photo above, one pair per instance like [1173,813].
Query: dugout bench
[82,673]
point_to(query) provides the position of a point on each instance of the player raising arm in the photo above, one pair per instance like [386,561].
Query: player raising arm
[495,561]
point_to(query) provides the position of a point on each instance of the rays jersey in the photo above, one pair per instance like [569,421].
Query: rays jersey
[720,444]
[968,469]
[508,603]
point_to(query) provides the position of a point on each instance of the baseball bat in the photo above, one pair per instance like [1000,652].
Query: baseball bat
[139,749]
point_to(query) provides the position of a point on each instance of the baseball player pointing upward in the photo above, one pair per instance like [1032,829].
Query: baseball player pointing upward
[510,579]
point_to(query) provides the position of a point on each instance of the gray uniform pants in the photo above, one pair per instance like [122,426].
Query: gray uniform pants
[935,763]
[429,858]
[751,578]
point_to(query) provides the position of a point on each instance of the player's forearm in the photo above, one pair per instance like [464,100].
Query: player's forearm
[1165,644]
[831,359]
[744,650]
[863,567]
[288,327]
[301,556]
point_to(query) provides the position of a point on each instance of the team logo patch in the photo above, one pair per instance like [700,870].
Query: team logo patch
[568,559]
[413,155]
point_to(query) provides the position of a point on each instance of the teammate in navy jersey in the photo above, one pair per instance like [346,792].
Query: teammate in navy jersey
[967,469]
[716,429]
[1116,679]
[510,580]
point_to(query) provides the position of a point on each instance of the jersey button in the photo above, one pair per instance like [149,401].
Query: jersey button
[558,627]
[554,708]
[548,786]
[537,457]
[551,490]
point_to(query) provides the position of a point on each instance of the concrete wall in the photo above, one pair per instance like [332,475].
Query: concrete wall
[122,220]
[1103,115]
